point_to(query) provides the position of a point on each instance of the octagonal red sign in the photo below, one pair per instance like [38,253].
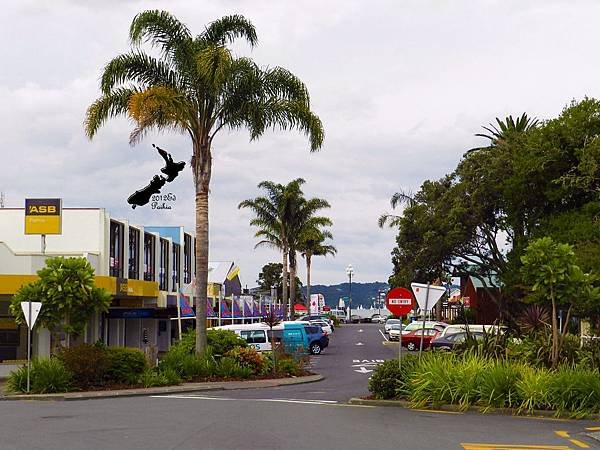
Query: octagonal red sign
[399,301]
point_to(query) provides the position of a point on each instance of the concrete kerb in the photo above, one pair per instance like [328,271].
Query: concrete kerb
[166,390]
[471,409]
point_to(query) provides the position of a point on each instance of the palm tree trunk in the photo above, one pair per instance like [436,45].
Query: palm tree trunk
[293,285]
[308,258]
[284,281]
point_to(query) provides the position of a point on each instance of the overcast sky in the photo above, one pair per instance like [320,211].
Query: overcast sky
[401,86]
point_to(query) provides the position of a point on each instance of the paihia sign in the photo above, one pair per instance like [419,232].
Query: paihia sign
[43,216]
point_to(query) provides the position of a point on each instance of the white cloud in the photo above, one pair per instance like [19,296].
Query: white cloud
[401,86]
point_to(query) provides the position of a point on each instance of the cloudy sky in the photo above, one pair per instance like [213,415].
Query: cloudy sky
[402,86]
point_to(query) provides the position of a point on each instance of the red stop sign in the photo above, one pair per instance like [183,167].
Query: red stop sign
[399,301]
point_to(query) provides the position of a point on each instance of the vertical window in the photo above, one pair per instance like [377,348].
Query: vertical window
[134,253]
[116,249]
[163,265]
[175,261]
[149,257]
[187,258]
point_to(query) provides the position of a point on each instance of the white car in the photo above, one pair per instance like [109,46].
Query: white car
[378,318]
[389,323]
[428,324]
[324,325]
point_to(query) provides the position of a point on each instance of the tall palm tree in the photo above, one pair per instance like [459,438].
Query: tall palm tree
[197,87]
[273,216]
[304,219]
[505,127]
[313,244]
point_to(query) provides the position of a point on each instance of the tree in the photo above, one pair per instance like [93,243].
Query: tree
[550,270]
[271,275]
[68,295]
[312,243]
[197,87]
[273,216]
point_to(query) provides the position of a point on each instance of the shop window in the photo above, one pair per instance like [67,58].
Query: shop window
[163,265]
[175,262]
[117,247]
[187,258]
[149,257]
[134,253]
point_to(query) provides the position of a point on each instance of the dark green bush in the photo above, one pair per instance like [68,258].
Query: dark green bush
[390,381]
[575,391]
[88,363]
[47,376]
[125,365]
[229,368]
[223,341]
[287,365]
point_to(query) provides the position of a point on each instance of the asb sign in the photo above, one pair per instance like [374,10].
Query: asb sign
[43,216]
[399,301]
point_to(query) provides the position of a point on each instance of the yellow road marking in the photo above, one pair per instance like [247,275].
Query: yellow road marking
[562,434]
[579,443]
[513,447]
[593,428]
[438,411]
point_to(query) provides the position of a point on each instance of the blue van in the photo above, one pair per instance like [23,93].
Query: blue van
[300,337]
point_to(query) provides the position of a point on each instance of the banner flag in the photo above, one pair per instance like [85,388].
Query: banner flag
[263,310]
[225,310]
[185,307]
[237,313]
[210,312]
[247,310]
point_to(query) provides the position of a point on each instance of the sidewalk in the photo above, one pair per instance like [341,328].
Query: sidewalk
[165,390]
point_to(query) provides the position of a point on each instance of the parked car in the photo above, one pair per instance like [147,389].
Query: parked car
[312,317]
[412,340]
[440,326]
[327,328]
[389,323]
[318,339]
[448,341]
[489,329]
[378,318]
[354,318]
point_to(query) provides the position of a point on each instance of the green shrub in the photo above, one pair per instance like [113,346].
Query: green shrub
[335,319]
[497,385]
[47,376]
[390,381]
[223,341]
[432,382]
[125,365]
[88,363]
[533,388]
[287,365]
[248,357]
[151,378]
[575,391]
[229,368]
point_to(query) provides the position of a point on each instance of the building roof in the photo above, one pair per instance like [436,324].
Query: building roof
[218,270]
[490,282]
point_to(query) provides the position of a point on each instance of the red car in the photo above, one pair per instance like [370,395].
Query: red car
[412,340]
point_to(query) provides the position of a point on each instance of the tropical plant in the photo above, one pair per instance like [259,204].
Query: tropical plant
[68,295]
[312,243]
[198,87]
[47,375]
[498,134]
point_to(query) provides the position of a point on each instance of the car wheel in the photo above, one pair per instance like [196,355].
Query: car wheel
[315,348]
[411,346]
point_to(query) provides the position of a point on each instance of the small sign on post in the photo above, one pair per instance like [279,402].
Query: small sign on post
[399,301]
[427,296]
[31,311]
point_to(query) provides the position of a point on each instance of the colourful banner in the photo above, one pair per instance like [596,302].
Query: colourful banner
[225,310]
[247,310]
[255,311]
[279,311]
[263,310]
[210,312]
[185,307]
[236,309]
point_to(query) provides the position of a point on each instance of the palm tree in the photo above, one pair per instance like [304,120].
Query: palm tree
[197,87]
[304,220]
[273,216]
[313,244]
[505,127]
[398,198]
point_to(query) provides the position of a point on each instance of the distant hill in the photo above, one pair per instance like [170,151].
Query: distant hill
[362,293]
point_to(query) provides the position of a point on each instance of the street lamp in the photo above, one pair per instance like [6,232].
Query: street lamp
[350,272]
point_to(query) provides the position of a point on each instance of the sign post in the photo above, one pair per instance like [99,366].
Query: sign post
[426,294]
[399,301]
[31,310]
[43,216]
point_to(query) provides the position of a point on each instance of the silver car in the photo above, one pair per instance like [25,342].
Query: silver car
[389,323]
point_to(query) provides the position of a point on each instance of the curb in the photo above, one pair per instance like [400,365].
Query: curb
[472,409]
[185,388]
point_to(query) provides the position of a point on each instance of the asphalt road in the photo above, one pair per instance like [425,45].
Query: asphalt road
[310,416]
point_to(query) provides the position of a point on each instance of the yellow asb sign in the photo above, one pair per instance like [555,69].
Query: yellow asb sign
[43,216]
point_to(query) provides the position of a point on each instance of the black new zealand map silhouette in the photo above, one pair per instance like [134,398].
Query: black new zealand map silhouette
[171,170]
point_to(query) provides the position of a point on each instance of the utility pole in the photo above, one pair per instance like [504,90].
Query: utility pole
[1,199]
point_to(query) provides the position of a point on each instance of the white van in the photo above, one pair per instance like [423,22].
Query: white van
[255,334]
[490,329]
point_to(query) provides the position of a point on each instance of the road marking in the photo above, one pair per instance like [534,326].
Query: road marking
[268,400]
[363,369]
[381,332]
[359,343]
[513,446]
[360,331]
[438,411]
[562,434]
[577,442]
[593,428]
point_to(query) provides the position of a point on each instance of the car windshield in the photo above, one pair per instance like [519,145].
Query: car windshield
[395,327]
[393,321]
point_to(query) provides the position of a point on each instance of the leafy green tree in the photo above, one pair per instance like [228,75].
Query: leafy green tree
[550,270]
[272,275]
[313,243]
[197,87]
[68,295]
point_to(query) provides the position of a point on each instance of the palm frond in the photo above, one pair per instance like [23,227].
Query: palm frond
[161,29]
[228,29]
[106,107]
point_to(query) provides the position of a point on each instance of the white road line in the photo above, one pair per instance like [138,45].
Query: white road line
[270,400]
[384,336]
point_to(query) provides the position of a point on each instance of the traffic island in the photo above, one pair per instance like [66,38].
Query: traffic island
[166,390]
